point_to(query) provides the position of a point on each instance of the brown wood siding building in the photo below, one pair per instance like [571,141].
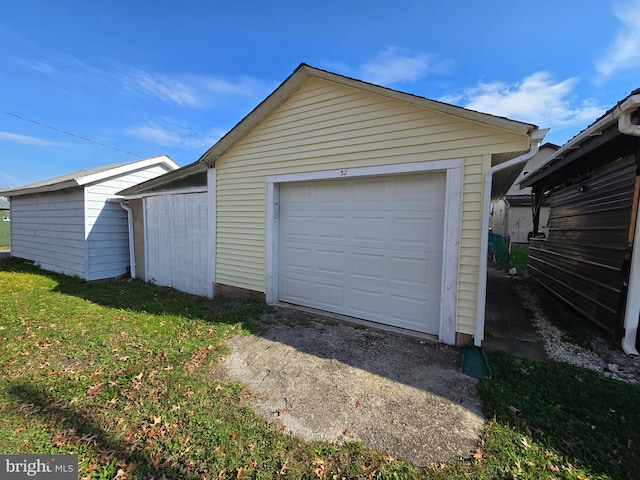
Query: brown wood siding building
[591,256]
[584,260]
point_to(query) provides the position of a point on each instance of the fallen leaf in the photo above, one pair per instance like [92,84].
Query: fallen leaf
[283,468]
[358,403]
[92,465]
[221,474]
[281,411]
[121,475]
[479,455]
[553,468]
[514,410]
[525,443]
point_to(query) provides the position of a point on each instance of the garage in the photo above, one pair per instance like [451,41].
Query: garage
[370,248]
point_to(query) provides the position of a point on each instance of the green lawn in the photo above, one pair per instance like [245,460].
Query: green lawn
[120,373]
[518,257]
[5,229]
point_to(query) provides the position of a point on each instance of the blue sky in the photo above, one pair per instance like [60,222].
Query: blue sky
[167,77]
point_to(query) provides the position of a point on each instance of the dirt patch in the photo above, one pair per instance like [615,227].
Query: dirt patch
[332,381]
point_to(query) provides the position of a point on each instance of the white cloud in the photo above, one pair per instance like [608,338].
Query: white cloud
[538,99]
[25,140]
[624,53]
[172,134]
[38,66]
[395,65]
[192,90]
[163,87]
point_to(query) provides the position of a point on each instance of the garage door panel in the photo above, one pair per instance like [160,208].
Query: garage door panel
[330,228]
[372,248]
[366,303]
[300,226]
[414,271]
[297,289]
[331,194]
[329,261]
[330,296]
[368,265]
[297,258]
[413,314]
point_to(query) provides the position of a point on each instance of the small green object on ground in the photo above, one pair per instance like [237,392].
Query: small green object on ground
[475,363]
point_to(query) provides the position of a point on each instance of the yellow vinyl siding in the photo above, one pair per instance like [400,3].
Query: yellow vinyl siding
[326,126]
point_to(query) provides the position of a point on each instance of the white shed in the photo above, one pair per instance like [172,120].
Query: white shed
[74,223]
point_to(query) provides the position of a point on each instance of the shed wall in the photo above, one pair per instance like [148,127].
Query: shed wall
[584,258]
[48,228]
[325,126]
[177,242]
[106,224]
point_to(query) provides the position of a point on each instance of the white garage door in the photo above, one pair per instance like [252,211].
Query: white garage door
[176,242]
[369,248]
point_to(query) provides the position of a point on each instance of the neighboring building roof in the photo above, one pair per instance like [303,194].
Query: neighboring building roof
[87,176]
[605,128]
[295,80]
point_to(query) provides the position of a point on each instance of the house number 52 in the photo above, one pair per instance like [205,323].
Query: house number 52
[343,173]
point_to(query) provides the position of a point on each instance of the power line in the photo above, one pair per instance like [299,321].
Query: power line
[69,133]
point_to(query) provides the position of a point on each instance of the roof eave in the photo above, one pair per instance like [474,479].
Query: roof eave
[596,129]
[148,185]
[296,79]
[148,162]
[16,192]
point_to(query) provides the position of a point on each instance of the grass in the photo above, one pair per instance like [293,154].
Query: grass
[120,373]
[518,257]
[5,230]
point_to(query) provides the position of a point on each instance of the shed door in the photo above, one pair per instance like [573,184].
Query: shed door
[369,248]
[176,242]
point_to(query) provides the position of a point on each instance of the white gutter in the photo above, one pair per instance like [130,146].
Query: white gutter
[132,255]
[632,310]
[536,138]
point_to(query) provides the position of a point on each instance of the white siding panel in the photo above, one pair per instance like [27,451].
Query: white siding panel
[176,242]
[48,229]
[107,223]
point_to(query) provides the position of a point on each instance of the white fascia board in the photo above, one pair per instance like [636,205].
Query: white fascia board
[130,167]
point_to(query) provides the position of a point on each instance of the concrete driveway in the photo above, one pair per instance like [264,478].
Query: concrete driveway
[328,380]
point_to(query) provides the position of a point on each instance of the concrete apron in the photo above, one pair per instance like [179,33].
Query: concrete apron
[332,381]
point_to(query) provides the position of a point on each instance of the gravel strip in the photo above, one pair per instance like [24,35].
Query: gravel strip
[603,358]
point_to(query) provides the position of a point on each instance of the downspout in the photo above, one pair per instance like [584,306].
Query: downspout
[132,256]
[536,139]
[632,309]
